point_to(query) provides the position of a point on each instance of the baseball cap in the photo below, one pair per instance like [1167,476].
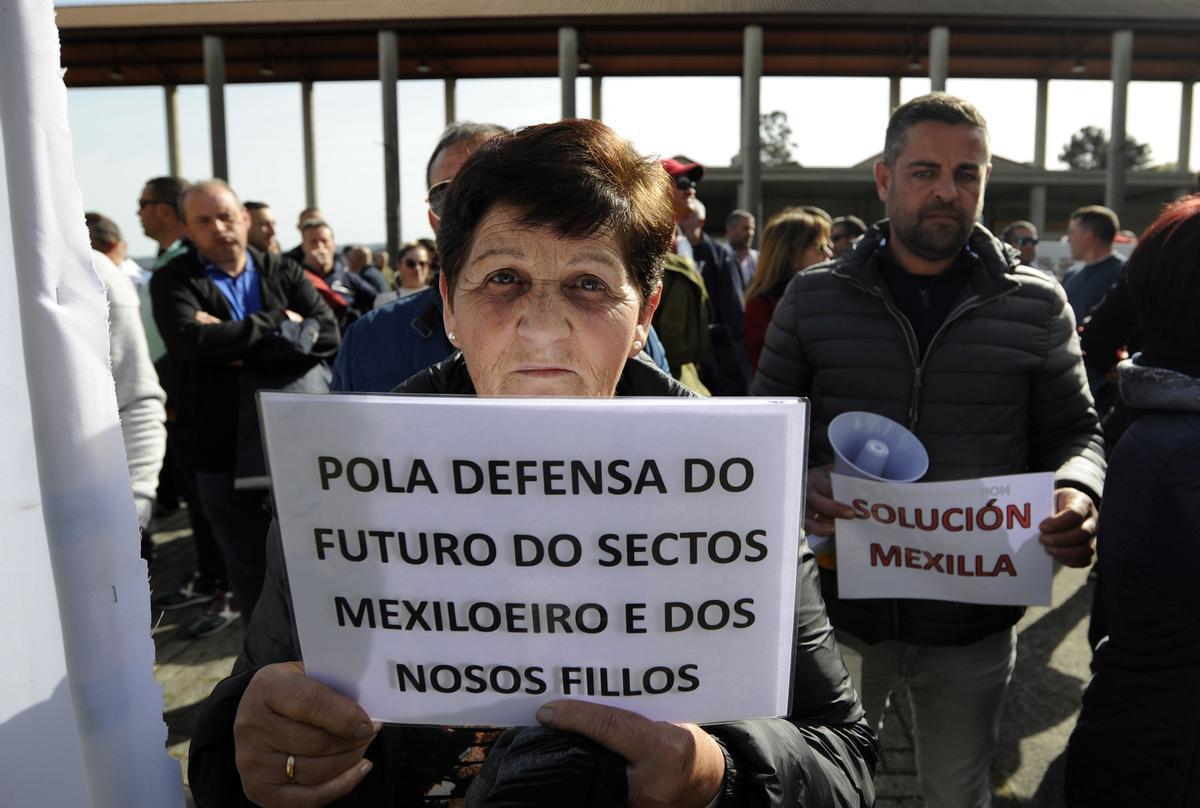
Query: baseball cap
[680,166]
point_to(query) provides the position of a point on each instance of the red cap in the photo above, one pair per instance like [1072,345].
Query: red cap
[683,167]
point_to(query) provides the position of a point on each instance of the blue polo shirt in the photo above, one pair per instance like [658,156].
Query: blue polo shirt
[242,292]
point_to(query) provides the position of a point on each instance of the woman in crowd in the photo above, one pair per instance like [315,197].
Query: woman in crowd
[795,238]
[412,273]
[1136,742]
[553,240]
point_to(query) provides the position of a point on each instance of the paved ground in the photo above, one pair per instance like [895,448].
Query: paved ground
[1040,712]
[1052,667]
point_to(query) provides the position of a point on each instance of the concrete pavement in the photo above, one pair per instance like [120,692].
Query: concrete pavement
[1043,701]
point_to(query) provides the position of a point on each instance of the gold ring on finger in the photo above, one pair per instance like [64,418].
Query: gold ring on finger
[290,769]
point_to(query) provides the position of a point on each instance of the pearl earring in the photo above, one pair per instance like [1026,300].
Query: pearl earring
[452,336]
[637,344]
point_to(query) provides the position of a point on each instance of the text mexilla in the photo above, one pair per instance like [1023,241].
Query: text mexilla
[954,520]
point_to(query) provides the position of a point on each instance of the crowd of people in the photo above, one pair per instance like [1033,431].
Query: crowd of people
[896,317]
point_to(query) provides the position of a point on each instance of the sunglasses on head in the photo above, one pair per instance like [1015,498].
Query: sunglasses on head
[683,182]
[437,197]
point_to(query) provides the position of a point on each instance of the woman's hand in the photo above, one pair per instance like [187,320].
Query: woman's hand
[283,714]
[677,765]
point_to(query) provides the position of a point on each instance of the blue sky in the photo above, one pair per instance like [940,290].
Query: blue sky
[119,134]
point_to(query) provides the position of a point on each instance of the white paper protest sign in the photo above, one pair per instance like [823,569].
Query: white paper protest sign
[465,560]
[970,541]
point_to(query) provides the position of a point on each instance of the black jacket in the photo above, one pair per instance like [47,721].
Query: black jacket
[727,373]
[821,756]
[1000,390]
[1112,326]
[210,361]
[1138,737]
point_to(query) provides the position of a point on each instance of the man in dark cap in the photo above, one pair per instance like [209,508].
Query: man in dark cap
[728,372]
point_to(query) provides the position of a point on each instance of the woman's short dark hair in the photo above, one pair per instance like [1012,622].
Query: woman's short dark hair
[577,177]
[1163,275]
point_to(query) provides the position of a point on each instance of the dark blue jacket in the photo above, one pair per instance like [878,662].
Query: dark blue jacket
[728,372]
[1138,737]
[1087,285]
[388,344]
[375,277]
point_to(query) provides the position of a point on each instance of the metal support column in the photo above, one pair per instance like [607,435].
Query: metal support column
[1037,194]
[939,57]
[171,104]
[450,91]
[893,95]
[1122,65]
[597,108]
[568,68]
[310,145]
[389,71]
[214,77]
[752,67]
[1184,160]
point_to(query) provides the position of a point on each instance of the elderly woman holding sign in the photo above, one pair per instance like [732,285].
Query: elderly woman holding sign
[552,242]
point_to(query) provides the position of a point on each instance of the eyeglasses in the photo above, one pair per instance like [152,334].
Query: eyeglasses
[437,197]
[411,264]
[1026,241]
[144,202]
[684,182]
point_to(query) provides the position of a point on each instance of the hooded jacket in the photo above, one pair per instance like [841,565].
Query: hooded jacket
[999,390]
[1136,742]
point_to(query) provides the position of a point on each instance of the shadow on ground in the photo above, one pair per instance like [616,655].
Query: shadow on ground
[1043,697]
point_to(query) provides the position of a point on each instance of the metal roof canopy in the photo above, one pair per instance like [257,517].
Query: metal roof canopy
[316,40]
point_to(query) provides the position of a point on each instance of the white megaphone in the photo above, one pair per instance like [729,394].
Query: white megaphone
[872,447]
[876,448]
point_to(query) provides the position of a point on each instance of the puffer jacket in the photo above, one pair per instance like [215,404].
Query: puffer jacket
[1000,390]
[822,755]
[1137,741]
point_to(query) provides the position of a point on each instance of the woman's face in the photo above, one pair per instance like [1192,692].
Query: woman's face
[536,314]
[819,250]
[414,268]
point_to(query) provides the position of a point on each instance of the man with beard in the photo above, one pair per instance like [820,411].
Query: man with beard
[931,322]
[739,233]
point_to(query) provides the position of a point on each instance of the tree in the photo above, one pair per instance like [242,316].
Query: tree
[774,140]
[1088,151]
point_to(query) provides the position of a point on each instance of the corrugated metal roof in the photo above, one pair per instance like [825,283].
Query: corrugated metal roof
[333,40]
[1136,14]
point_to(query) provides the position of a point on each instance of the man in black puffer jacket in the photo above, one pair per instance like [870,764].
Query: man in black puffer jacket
[929,321]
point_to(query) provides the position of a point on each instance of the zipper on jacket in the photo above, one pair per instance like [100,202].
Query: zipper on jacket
[910,341]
